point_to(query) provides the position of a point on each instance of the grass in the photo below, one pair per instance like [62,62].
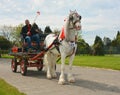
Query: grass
[6,89]
[6,56]
[108,62]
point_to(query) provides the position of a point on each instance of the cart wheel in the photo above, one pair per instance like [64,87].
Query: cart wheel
[23,67]
[14,64]
[40,67]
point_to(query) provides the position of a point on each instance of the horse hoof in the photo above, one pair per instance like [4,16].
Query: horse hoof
[54,76]
[61,82]
[72,81]
[49,77]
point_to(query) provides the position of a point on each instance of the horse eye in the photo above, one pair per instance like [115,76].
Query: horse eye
[80,17]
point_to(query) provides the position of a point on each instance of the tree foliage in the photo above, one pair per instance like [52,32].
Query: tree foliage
[116,43]
[4,43]
[98,47]
[82,47]
[16,37]
[47,30]
[6,31]
[11,33]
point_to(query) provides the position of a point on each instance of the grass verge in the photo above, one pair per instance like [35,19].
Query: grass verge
[7,89]
[6,56]
[107,62]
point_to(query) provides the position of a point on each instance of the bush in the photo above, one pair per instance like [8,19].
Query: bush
[4,43]
[4,51]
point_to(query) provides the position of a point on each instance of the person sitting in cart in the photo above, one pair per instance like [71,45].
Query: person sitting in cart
[28,33]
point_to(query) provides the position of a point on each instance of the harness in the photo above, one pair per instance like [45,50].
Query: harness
[58,41]
[56,44]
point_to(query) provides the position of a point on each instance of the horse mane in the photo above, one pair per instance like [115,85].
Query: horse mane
[67,28]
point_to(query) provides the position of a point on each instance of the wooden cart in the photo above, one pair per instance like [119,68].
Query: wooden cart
[28,59]
[24,60]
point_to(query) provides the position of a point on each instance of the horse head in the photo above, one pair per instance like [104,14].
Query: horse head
[75,20]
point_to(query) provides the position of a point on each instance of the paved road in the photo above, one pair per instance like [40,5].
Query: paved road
[89,81]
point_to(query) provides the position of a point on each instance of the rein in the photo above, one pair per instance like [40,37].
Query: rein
[74,24]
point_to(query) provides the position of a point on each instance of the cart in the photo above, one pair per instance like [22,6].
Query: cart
[27,59]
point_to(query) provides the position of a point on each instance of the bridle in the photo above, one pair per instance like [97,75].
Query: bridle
[71,18]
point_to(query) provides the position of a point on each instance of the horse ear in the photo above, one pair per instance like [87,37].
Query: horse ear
[70,11]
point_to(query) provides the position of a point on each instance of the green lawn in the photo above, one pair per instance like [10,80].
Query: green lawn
[108,62]
[6,56]
[6,89]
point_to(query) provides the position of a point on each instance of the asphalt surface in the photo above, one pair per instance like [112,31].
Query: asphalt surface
[89,81]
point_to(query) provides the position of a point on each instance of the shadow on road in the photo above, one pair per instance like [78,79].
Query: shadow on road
[91,85]
[96,86]
[36,74]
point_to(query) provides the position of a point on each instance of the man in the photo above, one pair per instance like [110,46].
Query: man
[35,31]
[29,33]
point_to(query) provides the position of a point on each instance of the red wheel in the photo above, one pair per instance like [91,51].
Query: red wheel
[40,67]
[14,64]
[23,67]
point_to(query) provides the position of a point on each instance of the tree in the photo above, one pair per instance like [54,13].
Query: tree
[82,47]
[12,33]
[4,43]
[118,38]
[107,41]
[116,43]
[16,37]
[118,34]
[6,31]
[47,30]
[98,47]
[107,45]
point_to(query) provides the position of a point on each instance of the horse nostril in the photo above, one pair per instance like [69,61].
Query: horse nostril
[78,27]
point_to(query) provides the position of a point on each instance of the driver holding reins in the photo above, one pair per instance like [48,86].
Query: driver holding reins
[27,34]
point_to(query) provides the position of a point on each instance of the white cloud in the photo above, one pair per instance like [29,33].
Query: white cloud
[97,15]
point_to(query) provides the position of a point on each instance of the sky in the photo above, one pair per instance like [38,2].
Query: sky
[99,17]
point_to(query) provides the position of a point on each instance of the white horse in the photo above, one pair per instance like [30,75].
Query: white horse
[67,47]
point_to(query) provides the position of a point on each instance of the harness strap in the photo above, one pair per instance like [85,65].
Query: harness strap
[68,55]
[72,52]
[57,47]
[41,54]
